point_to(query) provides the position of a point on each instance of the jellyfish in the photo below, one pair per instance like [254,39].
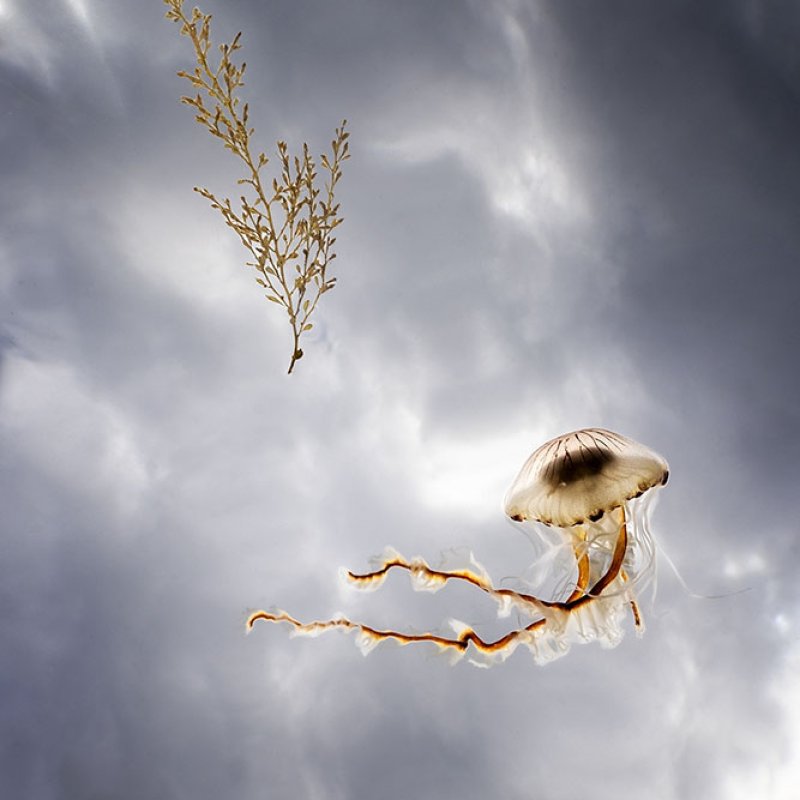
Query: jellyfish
[586,497]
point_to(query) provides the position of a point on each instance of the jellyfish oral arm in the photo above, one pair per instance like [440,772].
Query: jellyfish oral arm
[620,548]
[369,637]
[426,578]
[584,567]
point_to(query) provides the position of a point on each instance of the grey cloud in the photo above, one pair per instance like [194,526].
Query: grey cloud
[163,475]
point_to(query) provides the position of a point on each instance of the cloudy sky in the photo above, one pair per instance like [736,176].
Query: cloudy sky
[557,214]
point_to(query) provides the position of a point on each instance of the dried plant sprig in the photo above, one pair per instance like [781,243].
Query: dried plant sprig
[286,224]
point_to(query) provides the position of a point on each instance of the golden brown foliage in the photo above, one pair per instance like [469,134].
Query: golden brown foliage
[287,225]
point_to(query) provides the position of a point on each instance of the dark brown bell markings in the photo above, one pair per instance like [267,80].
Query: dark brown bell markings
[577,465]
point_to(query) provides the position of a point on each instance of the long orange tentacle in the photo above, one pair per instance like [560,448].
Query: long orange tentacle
[427,578]
[373,636]
[432,579]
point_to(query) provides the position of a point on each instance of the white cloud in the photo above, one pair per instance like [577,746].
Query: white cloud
[25,44]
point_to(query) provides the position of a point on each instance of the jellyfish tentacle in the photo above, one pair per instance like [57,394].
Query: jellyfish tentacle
[638,622]
[637,616]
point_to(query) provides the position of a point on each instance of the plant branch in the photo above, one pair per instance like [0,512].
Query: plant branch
[288,230]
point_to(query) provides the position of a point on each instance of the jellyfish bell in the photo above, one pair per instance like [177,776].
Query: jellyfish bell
[578,477]
[591,490]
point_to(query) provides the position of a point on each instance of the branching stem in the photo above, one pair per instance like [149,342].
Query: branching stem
[287,229]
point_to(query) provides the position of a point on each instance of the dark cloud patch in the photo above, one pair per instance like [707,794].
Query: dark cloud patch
[697,137]
[312,60]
